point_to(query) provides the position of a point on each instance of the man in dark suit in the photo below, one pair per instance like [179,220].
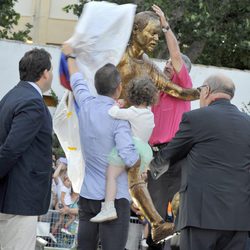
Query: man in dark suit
[25,152]
[214,207]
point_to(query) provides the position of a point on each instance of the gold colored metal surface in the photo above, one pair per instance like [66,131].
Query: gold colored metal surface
[175,204]
[140,196]
[135,62]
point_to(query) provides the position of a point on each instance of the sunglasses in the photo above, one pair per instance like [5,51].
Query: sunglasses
[203,86]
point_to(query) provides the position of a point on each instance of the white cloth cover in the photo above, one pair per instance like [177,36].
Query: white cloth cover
[101,36]
[65,123]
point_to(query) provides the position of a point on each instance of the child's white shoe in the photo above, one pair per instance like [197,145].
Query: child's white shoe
[65,231]
[52,237]
[107,213]
[144,244]
[41,241]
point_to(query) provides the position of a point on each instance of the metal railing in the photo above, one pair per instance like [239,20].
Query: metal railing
[51,234]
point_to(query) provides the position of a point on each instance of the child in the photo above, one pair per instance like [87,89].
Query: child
[65,200]
[141,93]
[58,176]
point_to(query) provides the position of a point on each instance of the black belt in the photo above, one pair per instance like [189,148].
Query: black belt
[158,147]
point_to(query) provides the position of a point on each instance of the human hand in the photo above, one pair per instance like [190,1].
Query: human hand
[135,209]
[121,103]
[62,166]
[67,49]
[64,210]
[158,166]
[159,12]
[144,176]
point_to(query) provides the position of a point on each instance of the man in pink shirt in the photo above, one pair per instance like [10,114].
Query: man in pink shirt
[168,111]
[167,116]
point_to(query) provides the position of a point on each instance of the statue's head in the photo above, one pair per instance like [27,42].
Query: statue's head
[146,30]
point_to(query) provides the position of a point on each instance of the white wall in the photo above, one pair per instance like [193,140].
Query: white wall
[56,9]
[12,51]
[24,7]
[241,79]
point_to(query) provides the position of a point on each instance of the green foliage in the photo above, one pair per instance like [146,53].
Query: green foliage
[56,147]
[76,8]
[54,96]
[8,19]
[210,32]
[246,108]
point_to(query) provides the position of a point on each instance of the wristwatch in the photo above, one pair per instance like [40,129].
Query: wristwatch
[70,56]
[165,29]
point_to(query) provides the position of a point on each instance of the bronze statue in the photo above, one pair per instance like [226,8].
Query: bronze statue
[141,197]
[136,63]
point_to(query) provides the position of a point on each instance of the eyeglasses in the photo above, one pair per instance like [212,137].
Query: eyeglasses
[203,86]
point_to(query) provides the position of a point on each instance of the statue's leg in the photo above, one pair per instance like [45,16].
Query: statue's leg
[140,196]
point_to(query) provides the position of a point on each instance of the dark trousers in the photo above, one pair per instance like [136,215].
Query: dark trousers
[113,234]
[193,238]
[162,191]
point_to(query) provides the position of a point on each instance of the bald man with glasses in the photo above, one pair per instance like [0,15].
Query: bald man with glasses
[214,142]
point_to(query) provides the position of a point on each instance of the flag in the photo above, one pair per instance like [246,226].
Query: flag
[64,73]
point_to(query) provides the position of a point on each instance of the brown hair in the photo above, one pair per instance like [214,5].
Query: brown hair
[141,91]
[33,64]
[107,79]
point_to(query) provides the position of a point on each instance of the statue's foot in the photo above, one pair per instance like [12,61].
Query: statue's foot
[162,231]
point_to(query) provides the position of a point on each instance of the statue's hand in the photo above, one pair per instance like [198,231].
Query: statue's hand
[193,94]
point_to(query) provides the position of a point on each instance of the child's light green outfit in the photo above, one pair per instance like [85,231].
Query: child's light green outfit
[142,124]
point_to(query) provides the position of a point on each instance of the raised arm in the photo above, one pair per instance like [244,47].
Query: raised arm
[172,43]
[63,198]
[176,62]
[78,84]
[57,172]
